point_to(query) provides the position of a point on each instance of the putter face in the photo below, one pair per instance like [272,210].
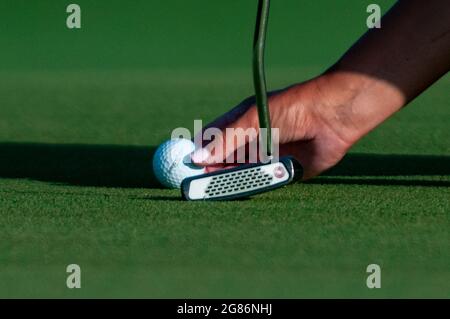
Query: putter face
[242,181]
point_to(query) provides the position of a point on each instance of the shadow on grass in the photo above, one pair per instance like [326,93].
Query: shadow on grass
[380,166]
[391,165]
[78,164]
[131,166]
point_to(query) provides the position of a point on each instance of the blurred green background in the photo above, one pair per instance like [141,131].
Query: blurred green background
[174,34]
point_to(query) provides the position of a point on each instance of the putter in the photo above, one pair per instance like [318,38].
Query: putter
[249,179]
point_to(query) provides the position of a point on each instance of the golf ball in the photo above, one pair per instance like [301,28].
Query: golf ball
[172,162]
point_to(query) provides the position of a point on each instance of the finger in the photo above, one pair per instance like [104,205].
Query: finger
[228,139]
[214,168]
[224,121]
[231,116]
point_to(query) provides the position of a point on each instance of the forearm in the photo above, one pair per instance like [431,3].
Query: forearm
[389,67]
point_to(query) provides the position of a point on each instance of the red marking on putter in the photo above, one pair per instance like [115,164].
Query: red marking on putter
[279,172]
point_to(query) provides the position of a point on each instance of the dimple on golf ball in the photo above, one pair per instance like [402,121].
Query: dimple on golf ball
[172,162]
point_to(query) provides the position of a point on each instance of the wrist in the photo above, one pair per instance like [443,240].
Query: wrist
[356,103]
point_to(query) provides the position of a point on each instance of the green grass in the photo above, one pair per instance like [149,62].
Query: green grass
[76,187]
[81,112]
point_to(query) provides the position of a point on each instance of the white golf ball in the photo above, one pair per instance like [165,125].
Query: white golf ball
[172,162]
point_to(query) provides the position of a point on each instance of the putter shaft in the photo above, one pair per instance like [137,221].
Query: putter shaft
[259,77]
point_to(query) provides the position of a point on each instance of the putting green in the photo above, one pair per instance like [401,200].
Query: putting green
[78,126]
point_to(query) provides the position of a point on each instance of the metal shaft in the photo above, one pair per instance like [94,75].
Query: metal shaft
[259,77]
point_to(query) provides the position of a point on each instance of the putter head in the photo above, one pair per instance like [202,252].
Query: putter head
[242,181]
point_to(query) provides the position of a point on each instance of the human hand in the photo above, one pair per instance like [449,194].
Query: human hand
[310,121]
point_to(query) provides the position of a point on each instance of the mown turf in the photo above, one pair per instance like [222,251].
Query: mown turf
[95,202]
[81,113]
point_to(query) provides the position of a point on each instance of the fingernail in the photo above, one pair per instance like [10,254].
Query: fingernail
[200,156]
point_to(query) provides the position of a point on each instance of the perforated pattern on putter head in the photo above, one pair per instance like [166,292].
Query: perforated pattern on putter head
[239,181]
